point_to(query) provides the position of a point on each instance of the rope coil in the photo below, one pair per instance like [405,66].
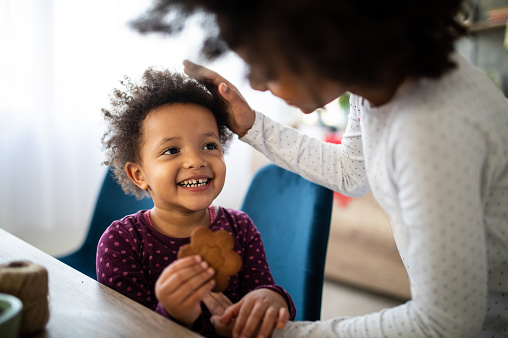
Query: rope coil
[28,282]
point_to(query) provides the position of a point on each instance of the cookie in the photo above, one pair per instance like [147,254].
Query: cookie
[216,248]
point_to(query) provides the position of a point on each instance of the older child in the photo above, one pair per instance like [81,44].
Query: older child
[427,134]
[165,139]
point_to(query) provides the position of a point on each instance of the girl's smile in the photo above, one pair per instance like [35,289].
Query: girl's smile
[196,183]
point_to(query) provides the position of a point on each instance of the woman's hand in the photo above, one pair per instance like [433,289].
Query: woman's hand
[182,286]
[241,116]
[257,313]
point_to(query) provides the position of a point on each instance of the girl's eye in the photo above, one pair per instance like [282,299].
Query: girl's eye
[210,146]
[171,151]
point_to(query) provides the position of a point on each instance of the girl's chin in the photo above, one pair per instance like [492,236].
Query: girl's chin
[197,205]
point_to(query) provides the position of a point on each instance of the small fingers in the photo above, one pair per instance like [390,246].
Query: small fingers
[268,322]
[246,311]
[283,318]
[262,321]
[259,318]
[231,312]
[197,294]
[190,274]
[181,288]
[190,262]
[181,263]
[254,318]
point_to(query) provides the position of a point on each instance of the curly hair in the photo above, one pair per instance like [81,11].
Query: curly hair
[129,108]
[350,41]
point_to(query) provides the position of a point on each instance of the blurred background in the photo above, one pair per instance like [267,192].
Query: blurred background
[59,61]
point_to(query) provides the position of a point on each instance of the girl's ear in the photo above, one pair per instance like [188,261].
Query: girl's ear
[136,175]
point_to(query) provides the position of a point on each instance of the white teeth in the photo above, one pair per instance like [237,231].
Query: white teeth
[194,183]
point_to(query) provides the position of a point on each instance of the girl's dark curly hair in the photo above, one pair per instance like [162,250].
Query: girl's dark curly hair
[129,108]
[350,41]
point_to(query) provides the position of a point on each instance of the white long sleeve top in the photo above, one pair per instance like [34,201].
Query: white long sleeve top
[436,160]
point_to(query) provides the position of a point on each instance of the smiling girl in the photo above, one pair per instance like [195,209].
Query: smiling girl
[165,139]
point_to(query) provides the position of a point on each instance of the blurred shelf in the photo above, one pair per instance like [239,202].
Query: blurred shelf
[485,26]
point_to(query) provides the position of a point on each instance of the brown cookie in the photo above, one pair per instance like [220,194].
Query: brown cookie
[216,248]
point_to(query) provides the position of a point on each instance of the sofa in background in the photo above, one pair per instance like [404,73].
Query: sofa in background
[362,251]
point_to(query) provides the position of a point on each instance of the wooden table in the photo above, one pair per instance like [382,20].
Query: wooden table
[82,307]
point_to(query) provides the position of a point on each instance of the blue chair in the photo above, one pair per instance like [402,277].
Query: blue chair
[293,216]
[112,204]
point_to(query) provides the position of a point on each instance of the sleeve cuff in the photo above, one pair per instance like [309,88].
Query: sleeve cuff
[285,295]
[253,132]
[162,311]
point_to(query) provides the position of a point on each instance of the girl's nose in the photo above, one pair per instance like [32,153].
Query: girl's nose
[193,159]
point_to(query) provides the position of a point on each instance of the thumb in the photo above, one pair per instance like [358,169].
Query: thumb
[232,95]
[234,98]
[225,91]
[241,116]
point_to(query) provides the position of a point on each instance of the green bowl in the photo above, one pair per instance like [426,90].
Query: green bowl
[10,315]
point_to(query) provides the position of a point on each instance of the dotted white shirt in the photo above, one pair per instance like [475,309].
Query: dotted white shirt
[436,160]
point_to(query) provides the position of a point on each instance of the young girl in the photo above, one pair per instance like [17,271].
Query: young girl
[427,134]
[165,139]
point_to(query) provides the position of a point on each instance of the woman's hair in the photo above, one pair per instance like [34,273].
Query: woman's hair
[130,106]
[350,41]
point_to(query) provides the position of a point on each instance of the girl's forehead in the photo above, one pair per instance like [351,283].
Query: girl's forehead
[180,118]
[180,111]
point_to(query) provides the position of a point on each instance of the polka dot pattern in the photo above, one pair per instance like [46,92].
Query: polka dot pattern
[436,158]
[131,255]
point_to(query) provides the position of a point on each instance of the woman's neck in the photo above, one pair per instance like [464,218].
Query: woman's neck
[177,224]
[379,95]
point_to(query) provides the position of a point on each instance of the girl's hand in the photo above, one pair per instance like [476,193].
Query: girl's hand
[241,116]
[182,286]
[258,313]
[217,303]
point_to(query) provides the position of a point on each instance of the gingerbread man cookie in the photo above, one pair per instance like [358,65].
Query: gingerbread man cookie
[216,248]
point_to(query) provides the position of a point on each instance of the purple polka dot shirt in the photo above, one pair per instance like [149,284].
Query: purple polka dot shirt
[131,255]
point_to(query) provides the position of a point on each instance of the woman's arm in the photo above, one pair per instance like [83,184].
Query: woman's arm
[337,167]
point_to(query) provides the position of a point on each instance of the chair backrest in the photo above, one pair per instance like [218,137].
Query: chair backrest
[293,216]
[112,204]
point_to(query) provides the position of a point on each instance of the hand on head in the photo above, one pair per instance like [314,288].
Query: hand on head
[241,115]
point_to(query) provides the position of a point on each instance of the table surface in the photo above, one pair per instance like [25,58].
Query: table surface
[82,307]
